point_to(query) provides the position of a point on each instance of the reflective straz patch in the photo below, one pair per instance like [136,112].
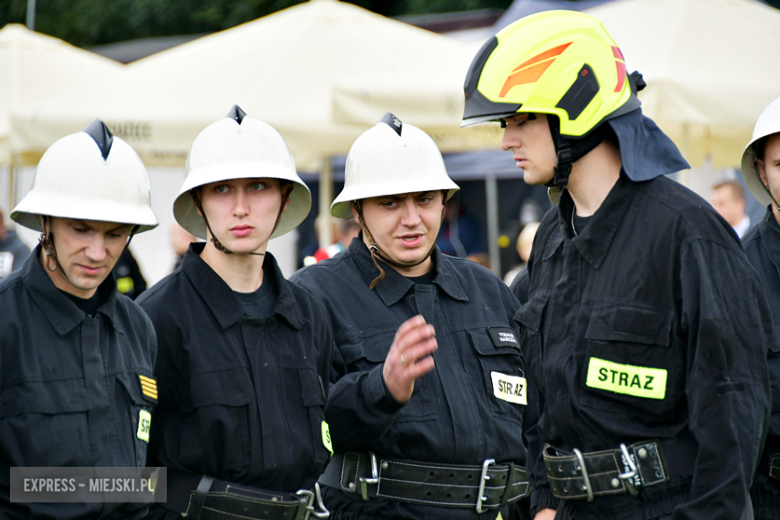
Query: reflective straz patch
[144,425]
[511,389]
[326,437]
[645,382]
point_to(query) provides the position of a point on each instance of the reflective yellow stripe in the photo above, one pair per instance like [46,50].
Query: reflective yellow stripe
[148,386]
[326,437]
[145,379]
[648,383]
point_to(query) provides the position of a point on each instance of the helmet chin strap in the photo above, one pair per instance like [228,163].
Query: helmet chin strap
[217,244]
[376,252]
[571,150]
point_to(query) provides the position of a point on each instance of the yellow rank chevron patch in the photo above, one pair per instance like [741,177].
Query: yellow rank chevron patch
[144,425]
[326,437]
[148,387]
[645,382]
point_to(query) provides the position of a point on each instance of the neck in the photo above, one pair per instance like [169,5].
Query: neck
[593,176]
[242,272]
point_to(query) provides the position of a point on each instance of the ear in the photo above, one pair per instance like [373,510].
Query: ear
[354,212]
[762,172]
[286,204]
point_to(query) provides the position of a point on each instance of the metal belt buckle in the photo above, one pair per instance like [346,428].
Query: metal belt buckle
[483,478]
[627,476]
[586,479]
[310,497]
[364,482]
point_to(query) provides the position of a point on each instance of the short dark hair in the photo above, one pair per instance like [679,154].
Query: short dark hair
[758,148]
[736,188]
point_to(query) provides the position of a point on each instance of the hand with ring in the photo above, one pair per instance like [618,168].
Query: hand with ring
[409,357]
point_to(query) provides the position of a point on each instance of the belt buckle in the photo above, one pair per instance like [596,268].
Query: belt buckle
[628,475]
[483,478]
[309,498]
[364,482]
[585,478]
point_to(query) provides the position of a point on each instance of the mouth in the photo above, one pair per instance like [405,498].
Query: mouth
[90,270]
[410,240]
[241,231]
[520,161]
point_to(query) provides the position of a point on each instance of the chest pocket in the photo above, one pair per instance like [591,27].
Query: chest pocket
[44,423]
[364,354]
[139,392]
[628,365]
[213,411]
[529,316]
[502,367]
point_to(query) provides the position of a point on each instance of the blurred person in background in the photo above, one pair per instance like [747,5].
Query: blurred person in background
[525,242]
[77,356]
[130,280]
[761,170]
[646,328]
[13,252]
[342,231]
[180,240]
[244,355]
[728,199]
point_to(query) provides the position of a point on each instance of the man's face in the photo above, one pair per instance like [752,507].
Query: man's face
[87,251]
[529,138]
[728,205]
[242,212]
[405,227]
[769,166]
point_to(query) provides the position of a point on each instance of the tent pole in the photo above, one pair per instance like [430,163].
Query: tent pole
[326,197]
[11,187]
[491,195]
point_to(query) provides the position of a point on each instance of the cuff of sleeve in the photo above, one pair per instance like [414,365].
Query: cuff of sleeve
[542,498]
[379,394]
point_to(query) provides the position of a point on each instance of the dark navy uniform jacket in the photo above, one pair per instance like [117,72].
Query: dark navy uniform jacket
[762,247]
[453,415]
[657,281]
[71,387]
[241,399]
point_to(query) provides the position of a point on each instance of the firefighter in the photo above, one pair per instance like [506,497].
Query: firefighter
[761,169]
[244,354]
[77,357]
[646,328]
[428,386]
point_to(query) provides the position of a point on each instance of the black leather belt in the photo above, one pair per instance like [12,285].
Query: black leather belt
[587,475]
[486,487]
[205,498]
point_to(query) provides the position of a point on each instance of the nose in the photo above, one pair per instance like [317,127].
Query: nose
[509,141]
[241,206]
[410,215]
[96,250]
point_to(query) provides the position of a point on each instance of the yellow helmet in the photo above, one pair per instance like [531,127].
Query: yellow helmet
[562,63]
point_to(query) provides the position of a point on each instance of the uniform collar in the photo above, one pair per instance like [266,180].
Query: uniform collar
[770,237]
[62,313]
[394,285]
[594,241]
[219,296]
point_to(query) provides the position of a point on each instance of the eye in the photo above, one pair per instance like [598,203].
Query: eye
[221,188]
[258,186]
[79,230]
[389,203]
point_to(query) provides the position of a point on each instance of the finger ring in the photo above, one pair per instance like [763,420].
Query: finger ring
[403,361]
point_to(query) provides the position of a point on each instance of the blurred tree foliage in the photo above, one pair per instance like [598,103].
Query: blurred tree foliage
[95,22]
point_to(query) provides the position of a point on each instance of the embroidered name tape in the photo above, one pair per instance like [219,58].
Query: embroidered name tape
[645,382]
[326,437]
[503,337]
[511,389]
[148,387]
[144,425]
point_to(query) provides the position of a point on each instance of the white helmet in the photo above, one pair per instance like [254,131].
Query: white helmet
[768,123]
[89,175]
[240,147]
[389,159]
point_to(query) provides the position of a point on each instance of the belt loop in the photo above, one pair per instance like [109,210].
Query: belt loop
[508,488]
[199,498]
[364,482]
[483,478]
